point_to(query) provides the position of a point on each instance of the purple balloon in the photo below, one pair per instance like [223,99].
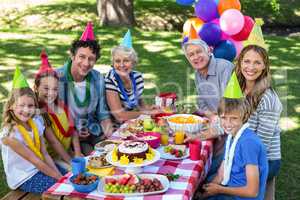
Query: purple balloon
[211,33]
[206,10]
[225,50]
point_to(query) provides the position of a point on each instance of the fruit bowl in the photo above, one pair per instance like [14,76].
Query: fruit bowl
[85,182]
[152,138]
[186,122]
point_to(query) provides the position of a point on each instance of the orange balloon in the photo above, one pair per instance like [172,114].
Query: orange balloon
[228,4]
[197,23]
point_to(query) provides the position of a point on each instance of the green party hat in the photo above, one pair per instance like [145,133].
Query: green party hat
[233,89]
[19,80]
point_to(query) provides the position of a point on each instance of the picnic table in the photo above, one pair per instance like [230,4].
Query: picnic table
[192,173]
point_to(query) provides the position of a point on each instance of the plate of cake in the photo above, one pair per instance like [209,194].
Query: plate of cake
[98,161]
[174,152]
[132,153]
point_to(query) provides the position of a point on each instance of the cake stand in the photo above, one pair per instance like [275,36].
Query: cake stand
[132,167]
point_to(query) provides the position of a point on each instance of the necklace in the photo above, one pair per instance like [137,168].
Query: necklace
[34,145]
[70,79]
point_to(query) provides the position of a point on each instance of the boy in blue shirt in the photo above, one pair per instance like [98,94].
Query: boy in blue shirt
[243,172]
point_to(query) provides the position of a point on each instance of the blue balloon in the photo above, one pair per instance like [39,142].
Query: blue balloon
[185,2]
[225,50]
[211,33]
[206,10]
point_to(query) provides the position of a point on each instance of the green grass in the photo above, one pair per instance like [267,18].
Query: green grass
[161,61]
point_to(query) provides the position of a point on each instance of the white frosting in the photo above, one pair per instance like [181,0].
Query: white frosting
[131,147]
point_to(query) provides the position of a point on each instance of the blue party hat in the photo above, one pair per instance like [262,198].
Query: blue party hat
[127,41]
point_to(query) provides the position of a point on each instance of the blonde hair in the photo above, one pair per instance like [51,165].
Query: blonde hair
[262,83]
[227,105]
[8,117]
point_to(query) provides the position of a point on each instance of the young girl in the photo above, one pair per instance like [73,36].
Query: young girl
[60,131]
[27,164]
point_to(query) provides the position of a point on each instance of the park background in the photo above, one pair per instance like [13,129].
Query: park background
[28,26]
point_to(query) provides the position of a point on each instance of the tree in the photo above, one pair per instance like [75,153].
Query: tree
[116,12]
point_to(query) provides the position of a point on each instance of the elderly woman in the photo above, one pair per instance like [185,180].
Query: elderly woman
[124,86]
[253,72]
[211,77]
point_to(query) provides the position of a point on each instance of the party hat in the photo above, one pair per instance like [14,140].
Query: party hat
[19,80]
[88,33]
[233,89]
[193,33]
[45,66]
[256,36]
[127,40]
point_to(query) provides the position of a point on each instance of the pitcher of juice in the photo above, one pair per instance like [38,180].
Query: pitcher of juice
[179,137]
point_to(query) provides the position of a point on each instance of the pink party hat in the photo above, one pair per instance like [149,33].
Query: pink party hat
[45,66]
[88,33]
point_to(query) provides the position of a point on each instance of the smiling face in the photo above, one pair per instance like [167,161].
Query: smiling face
[24,108]
[231,121]
[197,56]
[122,63]
[82,62]
[252,65]
[48,89]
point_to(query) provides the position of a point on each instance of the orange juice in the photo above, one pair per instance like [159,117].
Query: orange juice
[179,137]
[164,139]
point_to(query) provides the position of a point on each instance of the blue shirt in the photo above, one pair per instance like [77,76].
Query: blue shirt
[97,109]
[210,88]
[249,151]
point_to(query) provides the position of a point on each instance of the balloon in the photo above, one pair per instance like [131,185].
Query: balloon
[206,10]
[210,33]
[195,21]
[185,2]
[228,4]
[224,36]
[238,46]
[225,50]
[246,30]
[232,21]
[217,1]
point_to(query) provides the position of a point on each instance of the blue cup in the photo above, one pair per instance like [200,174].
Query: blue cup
[78,165]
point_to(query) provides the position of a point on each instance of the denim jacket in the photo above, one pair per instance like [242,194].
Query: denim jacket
[91,116]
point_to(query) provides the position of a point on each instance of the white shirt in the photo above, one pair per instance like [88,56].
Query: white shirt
[17,169]
[80,88]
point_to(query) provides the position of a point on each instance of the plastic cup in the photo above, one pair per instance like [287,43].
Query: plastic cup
[78,165]
[179,137]
[195,149]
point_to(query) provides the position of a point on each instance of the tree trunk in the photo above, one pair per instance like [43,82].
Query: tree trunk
[116,12]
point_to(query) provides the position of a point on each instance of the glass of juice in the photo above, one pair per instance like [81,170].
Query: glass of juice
[179,137]
[164,139]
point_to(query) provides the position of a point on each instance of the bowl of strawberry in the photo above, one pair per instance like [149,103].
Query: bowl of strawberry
[85,182]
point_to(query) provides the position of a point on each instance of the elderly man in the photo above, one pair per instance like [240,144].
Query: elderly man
[83,90]
[211,77]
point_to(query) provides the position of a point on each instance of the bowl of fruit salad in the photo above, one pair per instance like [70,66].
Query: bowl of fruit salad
[85,182]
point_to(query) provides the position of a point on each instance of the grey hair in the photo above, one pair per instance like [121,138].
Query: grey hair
[198,42]
[130,52]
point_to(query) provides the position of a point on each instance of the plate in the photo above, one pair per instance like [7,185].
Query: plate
[168,156]
[145,163]
[163,179]
[97,155]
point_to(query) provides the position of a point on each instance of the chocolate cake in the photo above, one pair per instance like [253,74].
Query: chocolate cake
[133,149]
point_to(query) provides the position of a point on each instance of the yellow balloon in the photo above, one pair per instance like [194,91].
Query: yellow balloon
[197,23]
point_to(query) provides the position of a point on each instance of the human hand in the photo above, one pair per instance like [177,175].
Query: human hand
[78,154]
[211,189]
[189,137]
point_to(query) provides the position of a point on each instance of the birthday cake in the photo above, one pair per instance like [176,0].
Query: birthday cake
[133,149]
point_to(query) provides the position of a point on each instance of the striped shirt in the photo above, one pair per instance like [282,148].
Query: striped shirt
[265,122]
[112,84]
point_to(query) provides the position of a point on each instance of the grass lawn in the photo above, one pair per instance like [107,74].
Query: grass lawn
[163,65]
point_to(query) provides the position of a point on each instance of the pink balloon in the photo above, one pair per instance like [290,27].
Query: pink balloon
[238,46]
[232,21]
[224,36]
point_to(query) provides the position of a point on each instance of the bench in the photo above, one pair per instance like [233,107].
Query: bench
[19,195]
